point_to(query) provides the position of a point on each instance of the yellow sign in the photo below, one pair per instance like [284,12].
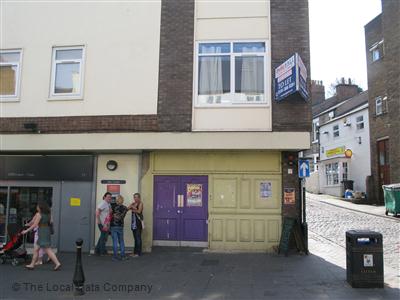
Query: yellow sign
[335,151]
[75,201]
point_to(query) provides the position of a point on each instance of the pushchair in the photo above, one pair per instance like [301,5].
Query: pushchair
[14,249]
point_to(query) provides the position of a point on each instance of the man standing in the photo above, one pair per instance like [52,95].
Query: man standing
[103,217]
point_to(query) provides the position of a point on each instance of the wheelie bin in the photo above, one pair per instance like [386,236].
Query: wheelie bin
[391,194]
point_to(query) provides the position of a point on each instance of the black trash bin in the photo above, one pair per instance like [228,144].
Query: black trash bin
[364,259]
[348,185]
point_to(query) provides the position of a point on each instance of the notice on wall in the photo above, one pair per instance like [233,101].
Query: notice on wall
[75,201]
[265,190]
[289,196]
[194,195]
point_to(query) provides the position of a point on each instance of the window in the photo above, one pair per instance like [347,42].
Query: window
[380,105]
[335,130]
[345,171]
[10,70]
[67,72]
[315,132]
[231,73]
[332,173]
[360,122]
[376,51]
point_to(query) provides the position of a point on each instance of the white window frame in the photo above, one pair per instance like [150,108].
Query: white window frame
[315,129]
[336,130]
[232,55]
[16,96]
[345,170]
[359,121]
[330,172]
[378,49]
[54,62]
[382,105]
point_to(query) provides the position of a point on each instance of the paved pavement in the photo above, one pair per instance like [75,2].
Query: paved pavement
[329,218]
[182,273]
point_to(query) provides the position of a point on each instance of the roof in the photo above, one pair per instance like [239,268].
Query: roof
[324,105]
[341,108]
[357,109]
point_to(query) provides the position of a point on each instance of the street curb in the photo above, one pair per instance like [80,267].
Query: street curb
[357,210]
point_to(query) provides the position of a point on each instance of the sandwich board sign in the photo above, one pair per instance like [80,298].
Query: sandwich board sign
[291,78]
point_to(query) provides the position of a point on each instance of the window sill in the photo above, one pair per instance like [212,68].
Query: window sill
[234,105]
[9,99]
[380,115]
[65,98]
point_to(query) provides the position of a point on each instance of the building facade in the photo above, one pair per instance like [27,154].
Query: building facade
[348,131]
[339,123]
[172,99]
[382,38]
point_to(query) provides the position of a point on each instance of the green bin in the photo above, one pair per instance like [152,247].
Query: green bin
[391,194]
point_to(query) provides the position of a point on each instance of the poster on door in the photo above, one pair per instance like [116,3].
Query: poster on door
[194,195]
[265,190]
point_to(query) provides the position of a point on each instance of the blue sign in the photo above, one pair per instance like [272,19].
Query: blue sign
[291,77]
[304,168]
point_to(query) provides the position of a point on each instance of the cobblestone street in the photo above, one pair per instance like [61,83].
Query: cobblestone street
[331,222]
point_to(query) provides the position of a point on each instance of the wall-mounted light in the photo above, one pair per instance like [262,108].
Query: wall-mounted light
[325,132]
[347,124]
[112,165]
[359,139]
[33,127]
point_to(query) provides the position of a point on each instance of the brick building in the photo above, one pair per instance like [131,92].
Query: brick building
[382,37]
[170,98]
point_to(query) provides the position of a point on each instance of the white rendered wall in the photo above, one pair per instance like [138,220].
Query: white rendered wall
[122,55]
[359,164]
[217,20]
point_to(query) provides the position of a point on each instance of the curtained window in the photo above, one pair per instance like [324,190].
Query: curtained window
[230,73]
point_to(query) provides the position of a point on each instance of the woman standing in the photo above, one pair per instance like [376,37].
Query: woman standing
[117,228]
[42,221]
[137,223]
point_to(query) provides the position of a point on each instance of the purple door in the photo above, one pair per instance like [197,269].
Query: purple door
[180,208]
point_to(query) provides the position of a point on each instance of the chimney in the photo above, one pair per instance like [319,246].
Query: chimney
[346,90]
[317,92]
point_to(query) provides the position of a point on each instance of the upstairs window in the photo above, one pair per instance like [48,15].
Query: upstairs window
[10,70]
[315,131]
[335,130]
[380,105]
[231,73]
[360,122]
[376,51]
[67,72]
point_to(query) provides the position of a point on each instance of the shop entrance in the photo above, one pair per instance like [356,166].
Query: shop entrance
[18,205]
[180,210]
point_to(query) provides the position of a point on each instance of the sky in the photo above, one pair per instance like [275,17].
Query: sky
[337,39]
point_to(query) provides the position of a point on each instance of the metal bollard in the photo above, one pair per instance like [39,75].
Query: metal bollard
[79,276]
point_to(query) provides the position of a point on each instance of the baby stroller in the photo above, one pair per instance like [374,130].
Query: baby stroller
[14,249]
